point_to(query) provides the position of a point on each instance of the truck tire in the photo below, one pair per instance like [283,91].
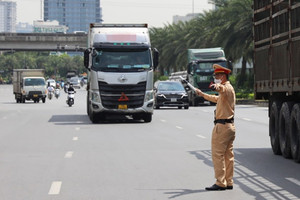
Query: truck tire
[295,133]
[284,129]
[273,127]
[93,117]
[147,117]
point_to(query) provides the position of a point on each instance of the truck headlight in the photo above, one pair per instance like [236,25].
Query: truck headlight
[95,97]
[148,96]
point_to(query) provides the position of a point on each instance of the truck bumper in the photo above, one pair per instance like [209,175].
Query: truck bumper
[97,107]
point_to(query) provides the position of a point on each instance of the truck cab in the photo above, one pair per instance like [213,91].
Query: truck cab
[120,63]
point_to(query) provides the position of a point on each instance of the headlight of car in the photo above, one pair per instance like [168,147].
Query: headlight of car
[161,95]
[184,95]
[95,97]
[148,96]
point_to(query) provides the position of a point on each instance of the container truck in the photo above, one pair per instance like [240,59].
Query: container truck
[120,63]
[277,71]
[200,71]
[29,84]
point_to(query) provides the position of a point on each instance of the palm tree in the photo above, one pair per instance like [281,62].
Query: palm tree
[236,33]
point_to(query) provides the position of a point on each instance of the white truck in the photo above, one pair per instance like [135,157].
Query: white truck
[120,63]
[29,84]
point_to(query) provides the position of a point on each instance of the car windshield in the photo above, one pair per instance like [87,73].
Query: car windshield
[170,86]
[74,79]
[122,61]
[34,82]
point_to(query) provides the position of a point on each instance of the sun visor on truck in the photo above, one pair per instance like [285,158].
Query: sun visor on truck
[126,40]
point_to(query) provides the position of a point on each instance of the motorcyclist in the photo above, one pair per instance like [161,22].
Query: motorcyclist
[50,90]
[71,88]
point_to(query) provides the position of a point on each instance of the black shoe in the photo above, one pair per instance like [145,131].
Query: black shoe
[215,187]
[230,187]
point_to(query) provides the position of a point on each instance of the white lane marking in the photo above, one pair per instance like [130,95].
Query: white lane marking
[69,154]
[55,188]
[293,180]
[246,119]
[75,138]
[201,136]
[77,128]
[237,152]
[179,127]
[162,120]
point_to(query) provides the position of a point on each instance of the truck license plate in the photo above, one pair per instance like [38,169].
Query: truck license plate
[35,95]
[173,99]
[122,107]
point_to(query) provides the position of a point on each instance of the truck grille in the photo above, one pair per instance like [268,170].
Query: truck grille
[114,95]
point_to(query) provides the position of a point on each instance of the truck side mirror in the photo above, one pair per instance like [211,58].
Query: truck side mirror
[155,58]
[86,58]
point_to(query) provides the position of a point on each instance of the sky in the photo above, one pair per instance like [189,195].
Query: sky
[157,13]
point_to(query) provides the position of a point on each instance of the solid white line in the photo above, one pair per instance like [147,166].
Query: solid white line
[77,128]
[69,154]
[246,119]
[55,188]
[75,138]
[179,127]
[201,136]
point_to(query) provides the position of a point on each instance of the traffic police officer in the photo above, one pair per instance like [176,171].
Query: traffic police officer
[223,133]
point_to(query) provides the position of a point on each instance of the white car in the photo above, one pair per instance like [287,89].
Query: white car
[52,82]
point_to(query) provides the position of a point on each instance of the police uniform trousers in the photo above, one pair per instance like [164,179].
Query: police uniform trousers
[222,153]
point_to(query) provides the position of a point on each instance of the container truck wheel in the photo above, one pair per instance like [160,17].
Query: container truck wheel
[284,129]
[295,132]
[147,117]
[273,127]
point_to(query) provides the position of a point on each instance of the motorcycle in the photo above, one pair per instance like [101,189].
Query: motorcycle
[70,100]
[50,95]
[57,93]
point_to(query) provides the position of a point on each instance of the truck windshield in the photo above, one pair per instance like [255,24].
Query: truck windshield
[206,66]
[34,82]
[122,61]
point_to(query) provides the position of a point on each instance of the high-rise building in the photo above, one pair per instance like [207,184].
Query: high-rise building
[75,14]
[8,16]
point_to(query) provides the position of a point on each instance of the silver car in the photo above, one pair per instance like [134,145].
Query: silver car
[75,81]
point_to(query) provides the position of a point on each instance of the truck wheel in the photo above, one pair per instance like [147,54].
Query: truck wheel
[295,132]
[93,117]
[273,127]
[147,117]
[284,129]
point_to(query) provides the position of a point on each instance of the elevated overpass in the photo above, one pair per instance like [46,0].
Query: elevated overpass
[43,42]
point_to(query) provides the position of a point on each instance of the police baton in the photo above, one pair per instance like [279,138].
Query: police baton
[186,82]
